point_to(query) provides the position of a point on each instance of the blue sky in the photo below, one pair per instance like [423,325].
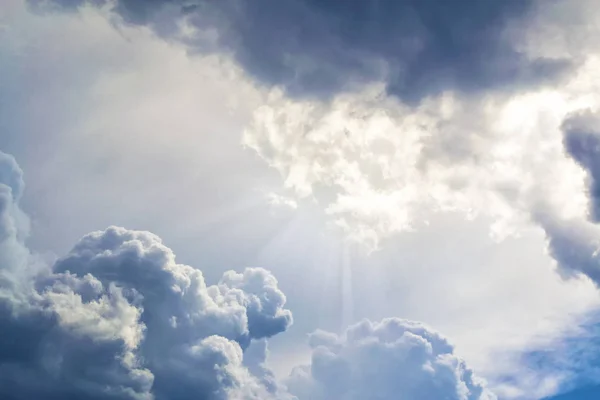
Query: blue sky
[300,200]
[585,393]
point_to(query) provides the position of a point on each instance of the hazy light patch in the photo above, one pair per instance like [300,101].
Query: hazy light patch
[154,133]
[375,164]
[278,200]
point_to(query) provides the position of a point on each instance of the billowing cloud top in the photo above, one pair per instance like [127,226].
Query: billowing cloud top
[119,318]
[417,48]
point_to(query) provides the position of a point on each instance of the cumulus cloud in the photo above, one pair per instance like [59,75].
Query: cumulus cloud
[118,318]
[15,259]
[256,360]
[390,359]
[381,166]
[418,48]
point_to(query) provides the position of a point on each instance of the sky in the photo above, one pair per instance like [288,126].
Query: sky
[299,200]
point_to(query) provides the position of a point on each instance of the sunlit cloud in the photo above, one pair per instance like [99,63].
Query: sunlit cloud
[448,187]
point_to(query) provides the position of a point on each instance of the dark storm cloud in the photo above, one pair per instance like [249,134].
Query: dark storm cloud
[582,142]
[575,243]
[321,47]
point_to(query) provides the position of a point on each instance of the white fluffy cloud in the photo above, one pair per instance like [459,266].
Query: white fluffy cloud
[377,166]
[391,359]
[119,318]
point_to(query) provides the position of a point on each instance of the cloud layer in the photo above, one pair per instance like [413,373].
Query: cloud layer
[119,318]
[319,48]
[380,160]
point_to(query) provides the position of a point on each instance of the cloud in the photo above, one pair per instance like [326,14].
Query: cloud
[11,175]
[380,360]
[582,142]
[575,242]
[319,48]
[176,298]
[118,318]
[256,360]
[277,200]
[112,124]
[377,166]
[14,226]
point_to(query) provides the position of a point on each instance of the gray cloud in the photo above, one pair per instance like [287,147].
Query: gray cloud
[118,318]
[382,360]
[11,175]
[177,224]
[575,242]
[177,301]
[255,359]
[582,142]
[418,48]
